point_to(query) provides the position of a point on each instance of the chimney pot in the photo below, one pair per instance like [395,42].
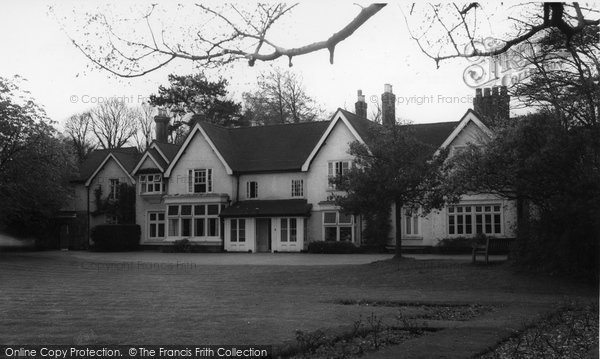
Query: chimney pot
[478,92]
[487,92]
[387,88]
[495,90]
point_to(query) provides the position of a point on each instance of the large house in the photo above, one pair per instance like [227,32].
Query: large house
[268,189]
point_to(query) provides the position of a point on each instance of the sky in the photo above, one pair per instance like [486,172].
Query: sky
[381,51]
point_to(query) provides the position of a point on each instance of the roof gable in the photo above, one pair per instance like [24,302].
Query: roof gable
[110,156]
[469,117]
[127,158]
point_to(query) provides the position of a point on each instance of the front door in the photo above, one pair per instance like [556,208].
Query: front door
[263,235]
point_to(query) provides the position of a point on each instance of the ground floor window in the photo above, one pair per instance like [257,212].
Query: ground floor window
[156,224]
[189,220]
[338,226]
[289,230]
[411,224]
[475,219]
[238,230]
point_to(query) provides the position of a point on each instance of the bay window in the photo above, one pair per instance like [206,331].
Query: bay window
[187,220]
[475,219]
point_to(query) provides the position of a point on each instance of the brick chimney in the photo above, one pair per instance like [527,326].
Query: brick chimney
[388,106]
[493,105]
[360,107]
[162,126]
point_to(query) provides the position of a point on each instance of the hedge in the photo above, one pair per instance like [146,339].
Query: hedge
[330,247]
[116,237]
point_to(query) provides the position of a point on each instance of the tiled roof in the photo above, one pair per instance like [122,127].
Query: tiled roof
[266,148]
[283,207]
[168,149]
[161,161]
[127,156]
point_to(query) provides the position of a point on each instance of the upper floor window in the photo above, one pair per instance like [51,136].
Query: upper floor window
[475,219]
[297,188]
[336,170]
[200,180]
[114,189]
[151,183]
[251,189]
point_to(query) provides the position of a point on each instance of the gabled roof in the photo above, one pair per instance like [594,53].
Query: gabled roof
[168,151]
[126,157]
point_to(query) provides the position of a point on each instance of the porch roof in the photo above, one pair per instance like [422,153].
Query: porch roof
[268,208]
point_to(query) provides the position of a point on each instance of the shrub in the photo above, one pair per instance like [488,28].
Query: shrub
[332,247]
[116,237]
[455,245]
[181,246]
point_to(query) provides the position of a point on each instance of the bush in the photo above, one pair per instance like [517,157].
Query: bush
[116,237]
[455,245]
[333,247]
[180,246]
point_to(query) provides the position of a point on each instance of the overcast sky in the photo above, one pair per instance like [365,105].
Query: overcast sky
[380,52]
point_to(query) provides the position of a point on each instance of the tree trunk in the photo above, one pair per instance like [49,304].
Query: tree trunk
[398,220]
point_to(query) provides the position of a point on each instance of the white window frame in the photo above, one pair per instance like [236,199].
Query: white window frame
[195,176]
[152,181]
[288,233]
[297,188]
[249,185]
[113,193]
[472,219]
[411,224]
[237,230]
[157,222]
[338,226]
[336,169]
[194,215]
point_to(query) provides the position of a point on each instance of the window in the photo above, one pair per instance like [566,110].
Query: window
[238,230]
[200,181]
[338,226]
[252,189]
[475,219]
[289,231]
[156,224]
[336,169]
[114,189]
[188,220]
[297,188]
[151,183]
[411,224]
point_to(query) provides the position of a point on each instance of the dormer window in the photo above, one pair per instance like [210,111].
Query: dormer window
[150,184]
[251,189]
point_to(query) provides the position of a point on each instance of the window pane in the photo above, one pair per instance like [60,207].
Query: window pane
[186,210]
[329,218]
[161,216]
[497,223]
[408,223]
[345,233]
[233,230]
[152,230]
[199,210]
[161,229]
[478,209]
[488,208]
[213,230]
[345,218]
[293,229]
[241,230]
[173,210]
[330,233]
[451,224]
[478,224]
[459,209]
[174,227]
[468,225]
[496,208]
[468,209]
[415,225]
[459,221]
[186,227]
[199,227]
[488,223]
[450,209]
[153,216]
[213,209]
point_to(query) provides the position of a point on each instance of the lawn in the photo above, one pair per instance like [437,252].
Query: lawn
[56,300]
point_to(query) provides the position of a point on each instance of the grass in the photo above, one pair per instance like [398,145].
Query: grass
[61,300]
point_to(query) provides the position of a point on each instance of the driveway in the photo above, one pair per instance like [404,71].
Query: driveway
[225,259]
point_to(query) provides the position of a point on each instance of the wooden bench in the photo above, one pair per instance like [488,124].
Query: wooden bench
[482,249]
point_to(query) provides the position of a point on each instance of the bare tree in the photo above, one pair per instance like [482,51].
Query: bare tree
[113,123]
[135,47]
[447,31]
[79,129]
[144,116]
[280,98]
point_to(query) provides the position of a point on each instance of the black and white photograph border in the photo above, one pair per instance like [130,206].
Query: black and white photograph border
[208,179]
